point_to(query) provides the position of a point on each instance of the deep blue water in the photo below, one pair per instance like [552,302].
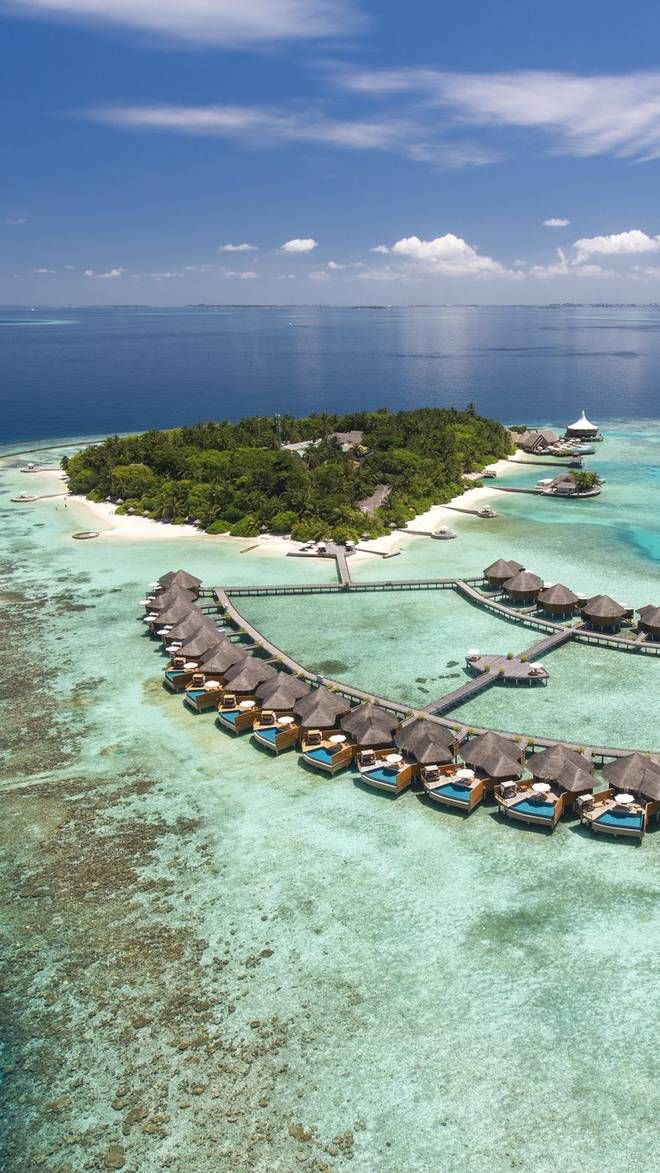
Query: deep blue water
[74,372]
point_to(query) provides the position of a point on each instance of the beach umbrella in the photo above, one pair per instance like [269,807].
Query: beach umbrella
[248,673]
[225,655]
[428,743]
[496,756]
[281,691]
[370,725]
[320,709]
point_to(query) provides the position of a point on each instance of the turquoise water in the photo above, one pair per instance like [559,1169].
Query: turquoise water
[265,967]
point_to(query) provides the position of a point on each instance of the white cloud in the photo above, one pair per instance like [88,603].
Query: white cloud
[14,221]
[448,255]
[617,244]
[567,267]
[237,248]
[603,114]
[243,274]
[379,248]
[42,271]
[287,277]
[333,265]
[318,275]
[257,126]
[299,244]
[231,23]
[556,222]
[108,275]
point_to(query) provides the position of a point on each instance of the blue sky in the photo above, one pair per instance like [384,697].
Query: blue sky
[357,152]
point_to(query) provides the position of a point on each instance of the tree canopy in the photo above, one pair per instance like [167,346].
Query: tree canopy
[236,477]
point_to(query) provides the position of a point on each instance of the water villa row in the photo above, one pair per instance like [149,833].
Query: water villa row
[391,749]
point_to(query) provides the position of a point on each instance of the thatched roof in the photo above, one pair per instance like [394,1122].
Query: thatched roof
[281,691]
[575,779]
[523,583]
[320,709]
[246,675]
[428,743]
[182,579]
[165,579]
[549,765]
[176,611]
[187,626]
[502,569]
[165,599]
[222,657]
[495,755]
[650,616]
[201,641]
[558,595]
[634,772]
[370,725]
[603,607]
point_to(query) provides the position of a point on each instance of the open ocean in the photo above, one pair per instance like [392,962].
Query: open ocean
[215,961]
[77,371]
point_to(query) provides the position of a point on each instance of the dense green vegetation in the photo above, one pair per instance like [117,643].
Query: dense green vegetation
[585,480]
[236,477]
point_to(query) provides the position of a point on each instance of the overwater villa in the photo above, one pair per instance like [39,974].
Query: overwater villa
[179,578]
[649,621]
[604,613]
[557,599]
[159,604]
[559,777]
[372,729]
[275,726]
[238,705]
[322,745]
[583,429]
[205,684]
[173,613]
[501,571]
[489,758]
[524,587]
[196,645]
[632,797]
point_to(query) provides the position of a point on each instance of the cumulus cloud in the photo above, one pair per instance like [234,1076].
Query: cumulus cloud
[237,248]
[601,114]
[617,244]
[379,248]
[448,256]
[231,23]
[108,275]
[556,222]
[567,267]
[299,244]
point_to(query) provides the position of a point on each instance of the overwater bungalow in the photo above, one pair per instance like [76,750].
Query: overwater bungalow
[195,646]
[501,571]
[239,706]
[432,749]
[194,621]
[173,613]
[603,613]
[179,578]
[491,758]
[559,776]
[275,727]
[632,797]
[524,587]
[649,621]
[372,730]
[157,603]
[557,599]
[583,429]
[203,689]
[322,745]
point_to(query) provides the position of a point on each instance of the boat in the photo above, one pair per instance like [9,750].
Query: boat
[385,771]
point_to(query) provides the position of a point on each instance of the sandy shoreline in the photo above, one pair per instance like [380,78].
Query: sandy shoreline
[102,516]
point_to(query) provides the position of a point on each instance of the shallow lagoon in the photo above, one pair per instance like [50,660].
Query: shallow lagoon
[265,968]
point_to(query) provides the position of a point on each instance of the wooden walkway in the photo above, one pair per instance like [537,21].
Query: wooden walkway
[466,589]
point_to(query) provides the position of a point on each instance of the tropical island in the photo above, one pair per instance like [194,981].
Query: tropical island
[322,475]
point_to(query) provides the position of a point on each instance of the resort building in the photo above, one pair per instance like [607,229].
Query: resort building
[322,745]
[649,621]
[557,600]
[501,571]
[583,429]
[603,612]
[524,587]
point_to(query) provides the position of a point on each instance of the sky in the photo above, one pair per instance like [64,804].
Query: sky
[329,151]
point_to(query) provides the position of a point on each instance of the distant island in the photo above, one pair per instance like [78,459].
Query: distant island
[320,476]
